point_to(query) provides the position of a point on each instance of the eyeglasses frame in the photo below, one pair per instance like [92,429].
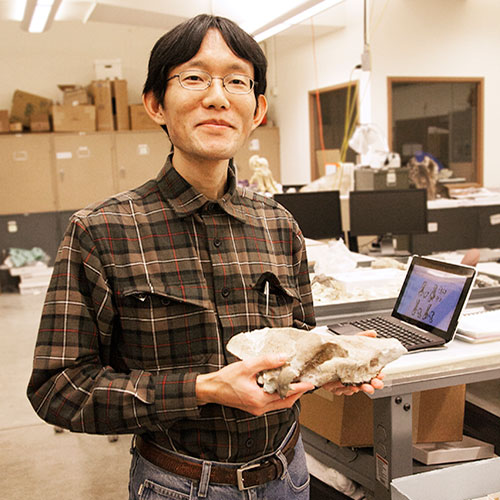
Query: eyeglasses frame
[212,78]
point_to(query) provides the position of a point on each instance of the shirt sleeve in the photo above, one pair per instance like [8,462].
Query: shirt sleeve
[303,315]
[75,383]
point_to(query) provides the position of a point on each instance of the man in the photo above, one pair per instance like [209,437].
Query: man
[150,285]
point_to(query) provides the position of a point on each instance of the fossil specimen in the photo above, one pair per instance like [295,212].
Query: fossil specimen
[315,356]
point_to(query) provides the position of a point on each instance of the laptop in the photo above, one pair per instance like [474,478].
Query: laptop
[428,307]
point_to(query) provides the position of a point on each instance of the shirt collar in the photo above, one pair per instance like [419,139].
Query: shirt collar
[185,200]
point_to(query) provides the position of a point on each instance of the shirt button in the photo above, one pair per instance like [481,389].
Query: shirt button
[249,442]
[217,242]
[210,207]
[225,292]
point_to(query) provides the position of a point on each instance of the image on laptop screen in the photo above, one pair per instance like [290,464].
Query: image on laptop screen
[431,296]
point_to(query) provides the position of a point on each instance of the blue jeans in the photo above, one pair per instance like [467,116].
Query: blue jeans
[148,482]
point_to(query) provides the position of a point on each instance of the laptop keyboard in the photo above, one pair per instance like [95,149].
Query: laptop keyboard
[387,329]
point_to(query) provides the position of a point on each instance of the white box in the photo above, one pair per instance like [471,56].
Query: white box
[460,482]
[453,451]
[108,69]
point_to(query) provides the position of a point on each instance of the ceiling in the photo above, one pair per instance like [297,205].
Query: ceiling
[164,14]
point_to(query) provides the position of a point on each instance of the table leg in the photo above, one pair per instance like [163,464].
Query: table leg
[392,437]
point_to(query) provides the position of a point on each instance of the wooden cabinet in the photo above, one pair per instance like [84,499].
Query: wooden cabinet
[50,176]
[83,169]
[26,177]
[139,157]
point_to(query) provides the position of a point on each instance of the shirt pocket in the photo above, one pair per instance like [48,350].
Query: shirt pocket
[164,328]
[276,296]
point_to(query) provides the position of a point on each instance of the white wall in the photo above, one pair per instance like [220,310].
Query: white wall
[408,38]
[36,63]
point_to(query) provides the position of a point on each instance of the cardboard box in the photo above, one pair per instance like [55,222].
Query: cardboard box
[139,118]
[16,127]
[74,95]
[460,482]
[74,118]
[326,157]
[438,416]
[120,104]
[40,122]
[101,93]
[24,105]
[368,179]
[4,121]
[108,69]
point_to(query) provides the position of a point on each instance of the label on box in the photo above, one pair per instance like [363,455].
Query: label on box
[391,179]
[64,155]
[495,219]
[382,470]
[12,226]
[432,227]
[143,149]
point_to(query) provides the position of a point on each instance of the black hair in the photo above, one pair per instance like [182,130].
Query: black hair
[181,43]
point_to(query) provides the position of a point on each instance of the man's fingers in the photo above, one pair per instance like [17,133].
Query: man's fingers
[262,363]
[377,383]
[300,387]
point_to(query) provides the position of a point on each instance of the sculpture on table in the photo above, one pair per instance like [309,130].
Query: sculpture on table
[423,172]
[262,176]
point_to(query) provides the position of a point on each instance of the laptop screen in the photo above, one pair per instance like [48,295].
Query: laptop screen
[433,295]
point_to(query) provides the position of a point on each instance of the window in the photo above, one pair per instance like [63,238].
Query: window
[440,116]
[328,133]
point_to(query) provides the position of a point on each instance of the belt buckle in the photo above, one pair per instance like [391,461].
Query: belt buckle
[241,479]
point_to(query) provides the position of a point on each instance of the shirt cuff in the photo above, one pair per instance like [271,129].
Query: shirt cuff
[175,396]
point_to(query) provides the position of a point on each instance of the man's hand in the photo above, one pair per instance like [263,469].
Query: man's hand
[339,389]
[236,385]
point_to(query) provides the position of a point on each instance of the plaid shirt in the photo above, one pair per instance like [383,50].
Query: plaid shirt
[147,289]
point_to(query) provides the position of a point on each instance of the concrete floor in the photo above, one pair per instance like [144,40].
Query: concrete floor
[35,462]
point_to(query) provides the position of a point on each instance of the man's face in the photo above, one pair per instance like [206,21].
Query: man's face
[211,124]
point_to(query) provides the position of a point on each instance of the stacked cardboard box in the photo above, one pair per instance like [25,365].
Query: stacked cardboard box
[101,93]
[139,119]
[102,106]
[74,95]
[4,121]
[74,118]
[25,105]
[40,122]
[119,94]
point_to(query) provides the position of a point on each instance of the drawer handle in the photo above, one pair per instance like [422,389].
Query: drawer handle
[83,152]
[20,155]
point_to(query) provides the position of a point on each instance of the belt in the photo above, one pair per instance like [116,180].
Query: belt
[244,477]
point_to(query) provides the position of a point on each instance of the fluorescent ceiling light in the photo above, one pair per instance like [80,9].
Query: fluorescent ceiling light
[39,14]
[295,16]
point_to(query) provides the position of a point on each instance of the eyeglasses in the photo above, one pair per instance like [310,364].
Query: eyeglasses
[201,80]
